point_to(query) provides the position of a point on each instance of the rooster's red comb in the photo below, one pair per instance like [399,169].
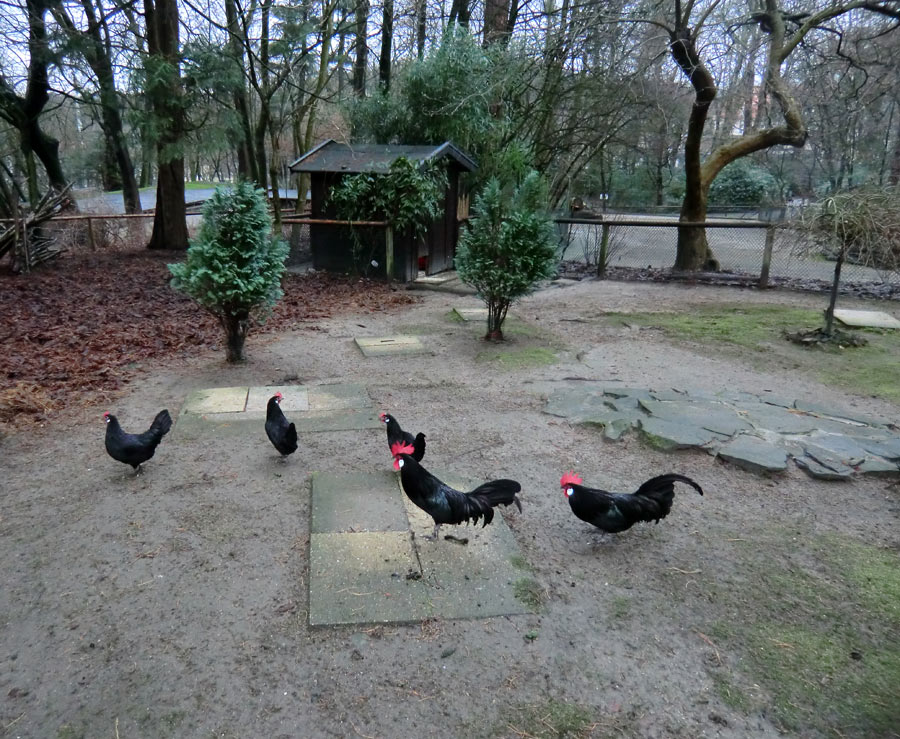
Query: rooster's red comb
[398,448]
[569,478]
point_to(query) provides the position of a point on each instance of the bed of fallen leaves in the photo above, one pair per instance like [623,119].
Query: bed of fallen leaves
[80,327]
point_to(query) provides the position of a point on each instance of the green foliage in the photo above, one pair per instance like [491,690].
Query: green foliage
[510,246]
[742,183]
[450,95]
[235,263]
[407,197]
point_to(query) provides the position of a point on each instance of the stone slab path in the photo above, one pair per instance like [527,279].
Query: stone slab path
[368,560]
[389,346]
[227,410]
[370,564]
[760,433]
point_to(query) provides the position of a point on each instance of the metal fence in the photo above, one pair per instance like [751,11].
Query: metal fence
[762,250]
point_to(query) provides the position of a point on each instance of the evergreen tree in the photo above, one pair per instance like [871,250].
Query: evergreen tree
[235,264]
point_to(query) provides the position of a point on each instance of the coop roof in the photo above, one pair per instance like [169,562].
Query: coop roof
[330,156]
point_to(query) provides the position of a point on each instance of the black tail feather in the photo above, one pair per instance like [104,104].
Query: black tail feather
[664,484]
[419,447]
[162,423]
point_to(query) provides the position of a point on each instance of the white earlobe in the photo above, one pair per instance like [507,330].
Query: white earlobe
[399,462]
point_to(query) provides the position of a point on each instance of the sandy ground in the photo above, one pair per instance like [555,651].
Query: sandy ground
[174,604]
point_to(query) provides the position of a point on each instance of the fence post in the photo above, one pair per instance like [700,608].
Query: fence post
[767,256]
[91,239]
[604,246]
[389,252]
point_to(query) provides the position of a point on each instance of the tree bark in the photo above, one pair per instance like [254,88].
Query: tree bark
[95,46]
[23,113]
[236,328]
[387,41]
[421,26]
[170,219]
[242,141]
[496,21]
[693,252]
[497,309]
[460,13]
[361,56]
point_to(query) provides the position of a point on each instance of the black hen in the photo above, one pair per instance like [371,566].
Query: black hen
[280,431]
[135,449]
[443,503]
[615,512]
[397,435]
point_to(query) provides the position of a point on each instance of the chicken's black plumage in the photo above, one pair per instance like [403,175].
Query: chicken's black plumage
[280,431]
[395,435]
[446,505]
[135,449]
[614,512]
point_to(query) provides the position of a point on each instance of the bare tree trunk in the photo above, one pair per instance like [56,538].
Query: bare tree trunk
[170,220]
[693,249]
[23,113]
[496,20]
[247,166]
[362,49]
[460,13]
[236,328]
[421,25]
[387,41]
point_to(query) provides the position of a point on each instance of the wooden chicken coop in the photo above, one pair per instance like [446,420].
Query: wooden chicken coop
[333,246]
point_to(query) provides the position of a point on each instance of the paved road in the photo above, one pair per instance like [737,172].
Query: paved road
[737,249]
[93,202]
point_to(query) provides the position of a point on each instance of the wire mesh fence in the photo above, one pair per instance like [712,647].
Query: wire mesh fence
[739,247]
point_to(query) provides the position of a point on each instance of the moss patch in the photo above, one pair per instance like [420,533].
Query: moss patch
[819,632]
[758,332]
[512,357]
[527,590]
[552,719]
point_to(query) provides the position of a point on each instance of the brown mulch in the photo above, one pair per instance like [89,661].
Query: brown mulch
[83,324]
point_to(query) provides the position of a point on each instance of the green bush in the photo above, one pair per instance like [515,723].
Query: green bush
[509,247]
[407,197]
[235,264]
[742,183]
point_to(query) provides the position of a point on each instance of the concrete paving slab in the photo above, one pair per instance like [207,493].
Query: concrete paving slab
[362,578]
[295,397]
[340,407]
[357,502]
[471,314]
[438,279]
[390,346]
[475,580]
[349,420]
[338,397]
[866,318]
[217,400]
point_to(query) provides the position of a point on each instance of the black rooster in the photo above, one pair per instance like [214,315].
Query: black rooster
[280,431]
[135,449]
[615,512]
[443,503]
[397,435]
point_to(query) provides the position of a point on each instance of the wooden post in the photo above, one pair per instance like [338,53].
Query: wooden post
[389,252]
[604,247]
[91,239]
[767,257]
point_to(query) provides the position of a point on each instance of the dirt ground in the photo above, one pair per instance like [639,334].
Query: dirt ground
[174,604]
